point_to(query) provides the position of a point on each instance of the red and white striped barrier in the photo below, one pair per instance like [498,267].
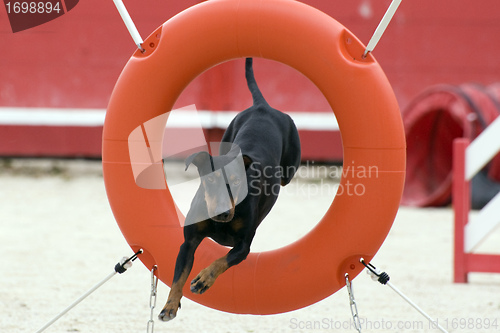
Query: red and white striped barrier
[468,159]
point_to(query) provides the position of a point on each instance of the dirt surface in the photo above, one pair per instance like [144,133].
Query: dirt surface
[58,239]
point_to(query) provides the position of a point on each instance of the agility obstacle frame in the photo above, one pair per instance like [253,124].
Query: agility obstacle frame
[468,159]
[365,106]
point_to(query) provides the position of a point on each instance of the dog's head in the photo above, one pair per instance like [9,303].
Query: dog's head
[223,181]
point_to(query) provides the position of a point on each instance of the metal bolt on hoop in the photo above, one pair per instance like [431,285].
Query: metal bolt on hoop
[352,301]
[152,299]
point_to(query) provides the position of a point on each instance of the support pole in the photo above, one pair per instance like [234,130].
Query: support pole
[132,29]
[382,26]
[461,206]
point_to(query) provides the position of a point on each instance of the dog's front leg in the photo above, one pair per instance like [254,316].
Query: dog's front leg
[183,266]
[208,275]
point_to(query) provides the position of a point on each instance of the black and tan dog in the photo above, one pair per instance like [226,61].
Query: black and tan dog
[260,151]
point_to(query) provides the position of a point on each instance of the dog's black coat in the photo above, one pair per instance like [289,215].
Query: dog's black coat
[270,146]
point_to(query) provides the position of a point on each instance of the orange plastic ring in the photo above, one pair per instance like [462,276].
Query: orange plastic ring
[364,104]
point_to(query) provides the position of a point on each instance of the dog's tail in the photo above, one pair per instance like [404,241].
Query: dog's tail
[252,84]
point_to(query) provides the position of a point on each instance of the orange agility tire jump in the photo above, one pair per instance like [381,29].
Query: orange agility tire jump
[367,112]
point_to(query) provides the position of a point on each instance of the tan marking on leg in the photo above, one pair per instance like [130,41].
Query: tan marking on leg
[208,275]
[173,304]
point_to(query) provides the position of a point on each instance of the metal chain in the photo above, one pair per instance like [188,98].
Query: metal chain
[152,299]
[354,307]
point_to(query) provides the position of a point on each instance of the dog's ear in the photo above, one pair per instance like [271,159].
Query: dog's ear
[199,159]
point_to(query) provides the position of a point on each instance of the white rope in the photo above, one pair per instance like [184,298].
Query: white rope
[132,29]
[75,303]
[382,26]
[382,277]
[124,264]
[416,307]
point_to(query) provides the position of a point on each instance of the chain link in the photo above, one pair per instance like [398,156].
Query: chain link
[152,299]
[354,307]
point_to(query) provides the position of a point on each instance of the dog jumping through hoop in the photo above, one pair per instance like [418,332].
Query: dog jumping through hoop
[260,151]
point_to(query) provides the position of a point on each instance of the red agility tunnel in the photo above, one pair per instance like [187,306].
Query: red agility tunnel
[432,121]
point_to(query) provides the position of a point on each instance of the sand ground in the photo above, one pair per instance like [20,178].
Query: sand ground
[58,238]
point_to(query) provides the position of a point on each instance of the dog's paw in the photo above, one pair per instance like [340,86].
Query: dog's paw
[169,312]
[202,282]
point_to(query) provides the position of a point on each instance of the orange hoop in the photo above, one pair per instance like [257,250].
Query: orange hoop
[323,50]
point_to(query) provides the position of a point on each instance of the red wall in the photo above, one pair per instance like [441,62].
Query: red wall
[74,61]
